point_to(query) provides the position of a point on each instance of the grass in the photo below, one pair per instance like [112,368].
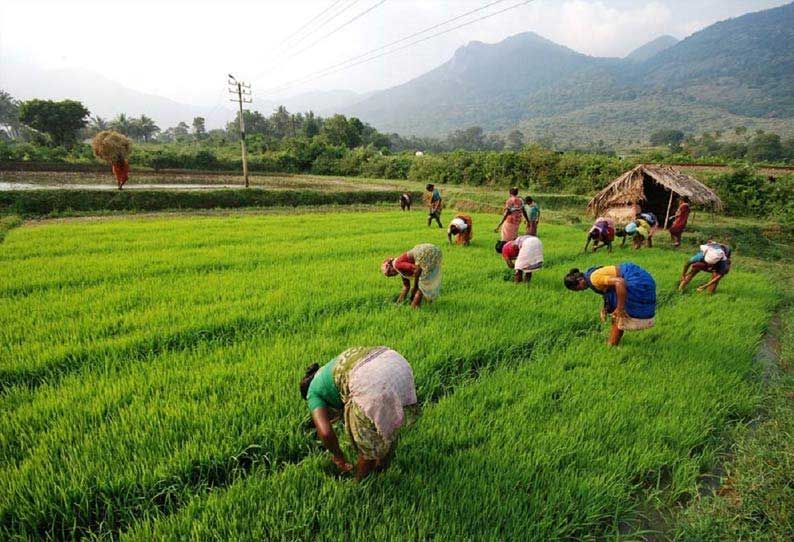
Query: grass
[149,374]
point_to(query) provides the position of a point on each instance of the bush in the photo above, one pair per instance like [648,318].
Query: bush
[45,202]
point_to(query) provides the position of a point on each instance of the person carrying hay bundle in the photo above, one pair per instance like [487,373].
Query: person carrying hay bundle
[461,228]
[374,388]
[629,293]
[115,148]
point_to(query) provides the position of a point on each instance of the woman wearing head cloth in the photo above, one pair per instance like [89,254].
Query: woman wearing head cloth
[461,228]
[422,264]
[713,258]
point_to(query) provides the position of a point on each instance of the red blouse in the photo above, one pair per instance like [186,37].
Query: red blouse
[405,264]
[510,251]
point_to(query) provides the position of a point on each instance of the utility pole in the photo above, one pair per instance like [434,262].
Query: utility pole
[243,95]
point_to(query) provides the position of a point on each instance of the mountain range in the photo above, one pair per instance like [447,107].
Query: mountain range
[735,72]
[738,72]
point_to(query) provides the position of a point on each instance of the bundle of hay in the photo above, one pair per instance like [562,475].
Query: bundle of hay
[111,146]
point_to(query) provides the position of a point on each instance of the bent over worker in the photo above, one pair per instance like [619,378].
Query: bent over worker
[422,264]
[374,388]
[714,258]
[629,294]
[461,229]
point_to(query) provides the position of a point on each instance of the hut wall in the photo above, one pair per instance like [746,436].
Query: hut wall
[623,214]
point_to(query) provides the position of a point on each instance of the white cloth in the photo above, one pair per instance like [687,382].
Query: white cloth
[530,254]
[712,254]
[519,241]
[381,386]
[460,223]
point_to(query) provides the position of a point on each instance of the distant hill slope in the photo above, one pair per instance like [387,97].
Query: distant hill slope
[745,65]
[651,49]
[741,71]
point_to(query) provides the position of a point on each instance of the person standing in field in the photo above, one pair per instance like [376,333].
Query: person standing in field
[461,228]
[434,205]
[374,388]
[532,214]
[511,218]
[405,202]
[602,234]
[629,293]
[713,258]
[422,264]
[678,221]
[524,255]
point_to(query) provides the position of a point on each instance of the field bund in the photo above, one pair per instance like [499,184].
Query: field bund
[149,373]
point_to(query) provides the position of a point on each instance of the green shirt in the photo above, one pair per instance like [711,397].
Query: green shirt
[322,391]
[533,211]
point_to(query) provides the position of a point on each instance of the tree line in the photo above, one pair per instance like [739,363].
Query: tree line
[736,144]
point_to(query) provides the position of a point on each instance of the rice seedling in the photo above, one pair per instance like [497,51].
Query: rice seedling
[149,383]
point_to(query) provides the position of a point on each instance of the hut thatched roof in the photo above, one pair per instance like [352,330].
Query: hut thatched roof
[630,187]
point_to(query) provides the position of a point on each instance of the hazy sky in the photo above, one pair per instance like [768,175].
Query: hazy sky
[182,49]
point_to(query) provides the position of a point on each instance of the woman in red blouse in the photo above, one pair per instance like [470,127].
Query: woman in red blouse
[422,264]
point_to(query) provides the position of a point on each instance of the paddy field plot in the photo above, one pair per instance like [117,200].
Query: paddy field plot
[149,372]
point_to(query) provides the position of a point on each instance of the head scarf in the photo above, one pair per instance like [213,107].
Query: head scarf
[631,228]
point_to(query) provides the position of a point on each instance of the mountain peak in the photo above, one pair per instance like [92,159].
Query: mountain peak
[652,48]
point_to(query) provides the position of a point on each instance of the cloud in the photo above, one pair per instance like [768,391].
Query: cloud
[598,29]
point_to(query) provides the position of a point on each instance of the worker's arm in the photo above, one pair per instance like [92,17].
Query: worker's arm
[620,289]
[510,263]
[686,269]
[524,212]
[326,434]
[587,244]
[504,217]
[404,291]
[449,236]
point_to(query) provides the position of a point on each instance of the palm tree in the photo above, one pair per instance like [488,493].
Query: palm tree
[146,127]
[121,124]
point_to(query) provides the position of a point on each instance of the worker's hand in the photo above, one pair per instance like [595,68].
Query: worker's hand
[701,288]
[342,464]
[603,314]
[619,313]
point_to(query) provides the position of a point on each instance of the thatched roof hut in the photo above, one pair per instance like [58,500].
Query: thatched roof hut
[654,188]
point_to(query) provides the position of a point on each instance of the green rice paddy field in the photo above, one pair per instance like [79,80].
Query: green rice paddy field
[149,372]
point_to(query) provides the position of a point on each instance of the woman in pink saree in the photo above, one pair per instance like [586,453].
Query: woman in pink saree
[511,219]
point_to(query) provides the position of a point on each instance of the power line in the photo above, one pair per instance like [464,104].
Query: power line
[415,34]
[345,65]
[304,38]
[299,30]
[338,28]
[324,36]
